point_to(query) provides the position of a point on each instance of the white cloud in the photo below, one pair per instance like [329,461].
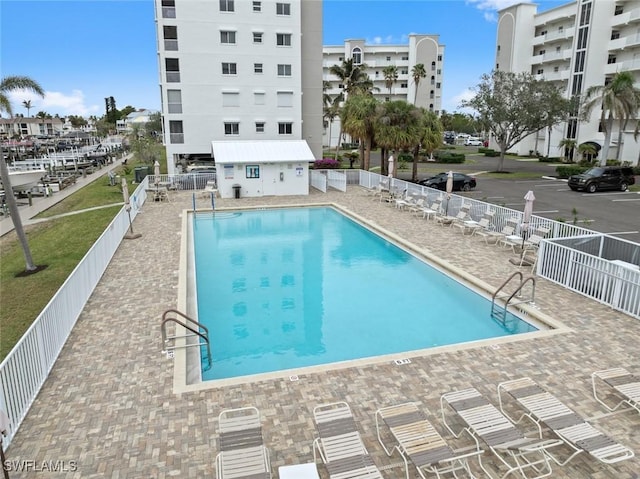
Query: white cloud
[54,103]
[389,39]
[490,7]
[454,102]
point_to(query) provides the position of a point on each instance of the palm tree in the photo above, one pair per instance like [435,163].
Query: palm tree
[398,127]
[390,74]
[620,100]
[28,106]
[358,118]
[7,85]
[588,151]
[331,106]
[354,80]
[569,145]
[431,131]
[417,72]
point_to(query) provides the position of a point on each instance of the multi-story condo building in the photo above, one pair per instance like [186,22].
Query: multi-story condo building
[578,45]
[238,70]
[424,49]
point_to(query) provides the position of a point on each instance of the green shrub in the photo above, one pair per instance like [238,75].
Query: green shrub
[491,153]
[448,157]
[549,159]
[406,157]
[565,171]
[636,170]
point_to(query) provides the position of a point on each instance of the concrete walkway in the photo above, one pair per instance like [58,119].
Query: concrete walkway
[108,409]
[41,203]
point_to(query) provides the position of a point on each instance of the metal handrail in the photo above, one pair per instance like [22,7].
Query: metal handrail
[517,291]
[195,332]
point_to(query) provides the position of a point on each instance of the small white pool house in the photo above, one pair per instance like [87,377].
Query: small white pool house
[262,168]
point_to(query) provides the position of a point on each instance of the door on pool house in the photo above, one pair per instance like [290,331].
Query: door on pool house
[270,177]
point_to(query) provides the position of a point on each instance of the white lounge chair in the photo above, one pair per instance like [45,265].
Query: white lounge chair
[543,408]
[339,444]
[242,451]
[622,383]
[484,422]
[418,441]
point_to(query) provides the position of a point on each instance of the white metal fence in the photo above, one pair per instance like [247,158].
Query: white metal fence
[337,179]
[318,180]
[24,370]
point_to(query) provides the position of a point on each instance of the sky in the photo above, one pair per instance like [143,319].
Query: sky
[84,51]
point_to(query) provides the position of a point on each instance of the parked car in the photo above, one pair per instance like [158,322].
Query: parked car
[449,137]
[460,182]
[473,141]
[603,178]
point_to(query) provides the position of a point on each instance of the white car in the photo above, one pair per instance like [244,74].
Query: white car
[473,141]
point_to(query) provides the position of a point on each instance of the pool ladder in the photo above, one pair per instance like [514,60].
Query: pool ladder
[194,329]
[499,312]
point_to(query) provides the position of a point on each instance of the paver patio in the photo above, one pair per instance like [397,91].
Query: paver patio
[108,403]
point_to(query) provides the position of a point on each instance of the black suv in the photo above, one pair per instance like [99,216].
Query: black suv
[603,178]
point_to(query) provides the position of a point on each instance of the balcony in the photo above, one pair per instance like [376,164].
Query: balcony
[553,76]
[562,55]
[554,36]
[624,42]
[632,16]
[629,65]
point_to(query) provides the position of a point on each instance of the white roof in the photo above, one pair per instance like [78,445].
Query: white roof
[267,151]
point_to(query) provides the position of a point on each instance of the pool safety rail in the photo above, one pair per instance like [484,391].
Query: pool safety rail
[193,328]
[499,312]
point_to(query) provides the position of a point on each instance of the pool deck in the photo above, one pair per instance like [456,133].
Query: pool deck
[109,404]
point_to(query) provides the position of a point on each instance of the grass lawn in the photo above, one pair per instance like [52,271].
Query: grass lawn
[60,244]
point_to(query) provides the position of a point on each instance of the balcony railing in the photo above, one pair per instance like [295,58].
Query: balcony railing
[168,12]
[174,107]
[631,16]
[173,77]
[549,37]
[176,137]
[171,45]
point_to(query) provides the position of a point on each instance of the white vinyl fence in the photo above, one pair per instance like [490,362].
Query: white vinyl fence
[24,370]
[318,180]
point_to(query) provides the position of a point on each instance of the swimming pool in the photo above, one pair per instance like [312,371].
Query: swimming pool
[283,289]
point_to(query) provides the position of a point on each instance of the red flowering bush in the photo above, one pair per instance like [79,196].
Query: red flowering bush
[325,164]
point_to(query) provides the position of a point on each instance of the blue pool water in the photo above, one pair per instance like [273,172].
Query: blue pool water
[289,288]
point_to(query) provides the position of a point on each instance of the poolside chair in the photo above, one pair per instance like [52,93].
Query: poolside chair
[622,383]
[242,451]
[418,441]
[432,211]
[542,408]
[416,206]
[533,241]
[484,422]
[462,215]
[339,444]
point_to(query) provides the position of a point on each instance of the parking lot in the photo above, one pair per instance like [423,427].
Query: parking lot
[611,212]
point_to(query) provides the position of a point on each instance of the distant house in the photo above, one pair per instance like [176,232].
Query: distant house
[139,117]
[19,126]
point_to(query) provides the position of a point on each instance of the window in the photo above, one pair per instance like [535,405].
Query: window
[582,38]
[615,35]
[433,66]
[285,99]
[174,101]
[257,37]
[405,57]
[433,80]
[542,52]
[438,71]
[619,10]
[283,9]
[285,128]
[439,58]
[231,128]
[386,98]
[498,48]
[252,171]
[176,135]
[430,106]
[404,85]
[226,6]
[283,39]
[257,6]
[404,71]
[258,98]
[230,98]
[556,69]
[259,126]
[540,71]
[170,34]
[557,49]
[580,61]
[356,54]
[611,59]
[431,94]
[227,37]
[388,59]
[168,8]
[257,68]
[340,59]
[172,66]
[229,68]
[284,70]
[437,84]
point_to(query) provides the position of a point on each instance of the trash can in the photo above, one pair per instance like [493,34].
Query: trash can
[140,173]
[236,190]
